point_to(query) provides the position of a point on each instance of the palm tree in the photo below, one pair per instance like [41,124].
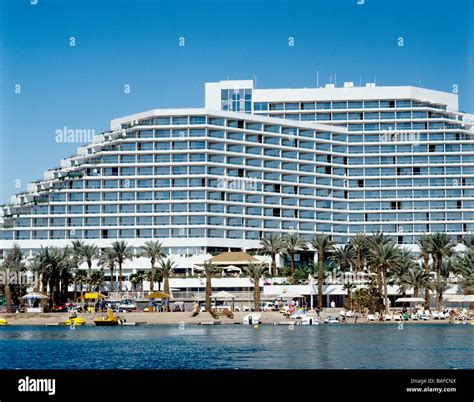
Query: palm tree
[12,263]
[407,263]
[359,244]
[89,253]
[273,245]
[107,259]
[463,264]
[324,246]
[154,251]
[344,257]
[97,280]
[468,240]
[385,256]
[425,250]
[137,278]
[166,269]
[80,277]
[440,286]
[292,243]
[122,253]
[209,270]
[441,246]
[349,287]
[416,278]
[255,272]
[373,241]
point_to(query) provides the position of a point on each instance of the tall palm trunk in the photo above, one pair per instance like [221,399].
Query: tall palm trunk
[112,279]
[120,276]
[8,295]
[320,279]
[152,275]
[256,295]
[439,262]
[379,279]
[166,285]
[208,292]
[426,269]
[89,274]
[385,289]
[292,264]
[274,267]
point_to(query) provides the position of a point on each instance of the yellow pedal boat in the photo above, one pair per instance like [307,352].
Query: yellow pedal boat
[110,321]
[3,322]
[78,321]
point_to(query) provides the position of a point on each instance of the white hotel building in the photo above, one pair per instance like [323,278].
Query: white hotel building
[259,161]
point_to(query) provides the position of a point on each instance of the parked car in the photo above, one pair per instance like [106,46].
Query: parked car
[60,308]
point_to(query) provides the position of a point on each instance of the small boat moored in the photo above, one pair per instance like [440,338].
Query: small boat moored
[252,319]
[110,321]
[76,321]
[309,321]
[331,320]
[3,322]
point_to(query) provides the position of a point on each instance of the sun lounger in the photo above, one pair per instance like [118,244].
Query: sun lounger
[388,317]
[372,317]
[397,317]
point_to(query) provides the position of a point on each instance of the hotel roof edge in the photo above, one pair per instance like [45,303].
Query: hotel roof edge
[115,123]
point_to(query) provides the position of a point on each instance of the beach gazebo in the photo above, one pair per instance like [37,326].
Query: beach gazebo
[225,296]
[35,302]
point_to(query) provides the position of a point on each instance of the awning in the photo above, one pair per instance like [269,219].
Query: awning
[459,299]
[410,300]
[232,268]
[157,295]
[35,295]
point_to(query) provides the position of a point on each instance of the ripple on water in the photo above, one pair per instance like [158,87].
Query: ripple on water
[215,347]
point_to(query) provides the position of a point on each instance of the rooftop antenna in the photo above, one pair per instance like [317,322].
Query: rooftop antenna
[335,82]
[255,80]
[317,78]
[375,79]
[330,79]
[360,80]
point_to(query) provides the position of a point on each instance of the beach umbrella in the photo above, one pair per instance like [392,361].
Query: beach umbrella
[289,295]
[223,295]
[94,295]
[158,295]
[410,300]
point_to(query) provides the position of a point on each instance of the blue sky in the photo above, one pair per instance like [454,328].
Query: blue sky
[135,42]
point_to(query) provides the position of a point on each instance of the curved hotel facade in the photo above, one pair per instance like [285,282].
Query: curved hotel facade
[259,161]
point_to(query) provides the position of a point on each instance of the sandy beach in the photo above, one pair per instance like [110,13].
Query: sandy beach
[141,318]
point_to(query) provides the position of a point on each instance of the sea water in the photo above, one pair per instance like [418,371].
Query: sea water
[354,346]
